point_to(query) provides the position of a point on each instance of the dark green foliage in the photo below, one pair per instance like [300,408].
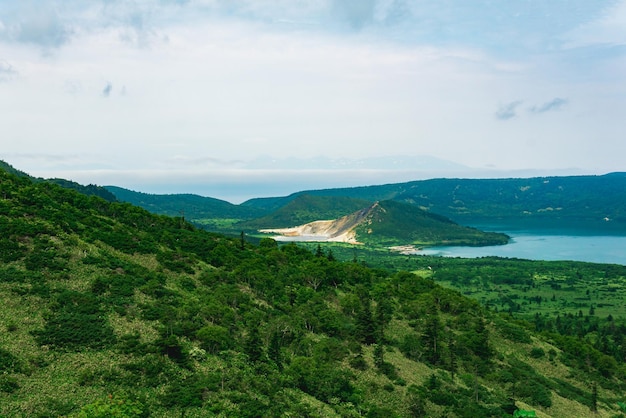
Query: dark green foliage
[10,250]
[583,200]
[535,393]
[365,326]
[11,274]
[220,330]
[304,209]
[537,352]
[411,346]
[176,261]
[396,223]
[253,345]
[77,321]
[188,205]
[8,384]
[214,338]
[118,407]
[513,332]
[320,380]
[9,363]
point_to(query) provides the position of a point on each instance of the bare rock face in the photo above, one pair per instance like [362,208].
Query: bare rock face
[338,230]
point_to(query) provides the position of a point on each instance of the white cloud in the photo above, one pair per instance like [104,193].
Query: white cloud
[211,83]
[609,29]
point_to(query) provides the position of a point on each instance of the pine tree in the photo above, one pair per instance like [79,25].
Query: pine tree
[273,350]
[594,397]
[253,345]
[379,359]
[365,325]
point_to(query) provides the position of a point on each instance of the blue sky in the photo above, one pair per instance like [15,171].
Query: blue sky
[242,98]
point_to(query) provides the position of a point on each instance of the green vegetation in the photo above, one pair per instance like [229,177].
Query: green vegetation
[89,190]
[304,209]
[395,223]
[580,201]
[109,310]
[189,206]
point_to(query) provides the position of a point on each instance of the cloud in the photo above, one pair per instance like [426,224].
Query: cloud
[34,23]
[357,13]
[7,71]
[72,87]
[106,91]
[508,111]
[554,104]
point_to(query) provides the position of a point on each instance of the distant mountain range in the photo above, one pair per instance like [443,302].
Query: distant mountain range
[577,200]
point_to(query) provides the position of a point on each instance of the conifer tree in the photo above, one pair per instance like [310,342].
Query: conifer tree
[253,345]
[273,350]
[365,325]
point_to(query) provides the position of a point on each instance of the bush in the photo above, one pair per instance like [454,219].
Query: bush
[214,338]
[8,384]
[113,408]
[76,322]
[9,363]
[537,352]
[535,393]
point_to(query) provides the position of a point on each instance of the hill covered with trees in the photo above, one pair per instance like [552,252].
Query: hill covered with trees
[391,223]
[109,310]
[592,201]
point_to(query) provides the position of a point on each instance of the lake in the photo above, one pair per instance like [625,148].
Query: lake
[546,244]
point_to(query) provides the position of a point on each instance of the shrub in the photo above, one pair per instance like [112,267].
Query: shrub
[537,352]
[9,363]
[113,408]
[214,338]
[76,322]
[8,384]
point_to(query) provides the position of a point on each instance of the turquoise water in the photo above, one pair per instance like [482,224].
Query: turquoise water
[546,245]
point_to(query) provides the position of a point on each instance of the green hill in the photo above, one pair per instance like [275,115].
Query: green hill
[109,310]
[579,201]
[89,190]
[190,206]
[389,223]
[306,208]
[396,223]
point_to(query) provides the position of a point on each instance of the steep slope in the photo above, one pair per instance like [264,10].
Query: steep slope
[109,310]
[392,223]
[306,208]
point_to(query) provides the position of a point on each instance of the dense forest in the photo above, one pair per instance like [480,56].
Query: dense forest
[584,201]
[109,310]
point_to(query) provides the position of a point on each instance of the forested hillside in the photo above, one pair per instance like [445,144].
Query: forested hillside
[90,190]
[190,206]
[581,200]
[108,310]
[305,208]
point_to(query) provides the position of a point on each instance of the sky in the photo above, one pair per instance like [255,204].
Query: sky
[237,99]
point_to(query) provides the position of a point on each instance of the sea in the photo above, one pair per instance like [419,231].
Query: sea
[596,245]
